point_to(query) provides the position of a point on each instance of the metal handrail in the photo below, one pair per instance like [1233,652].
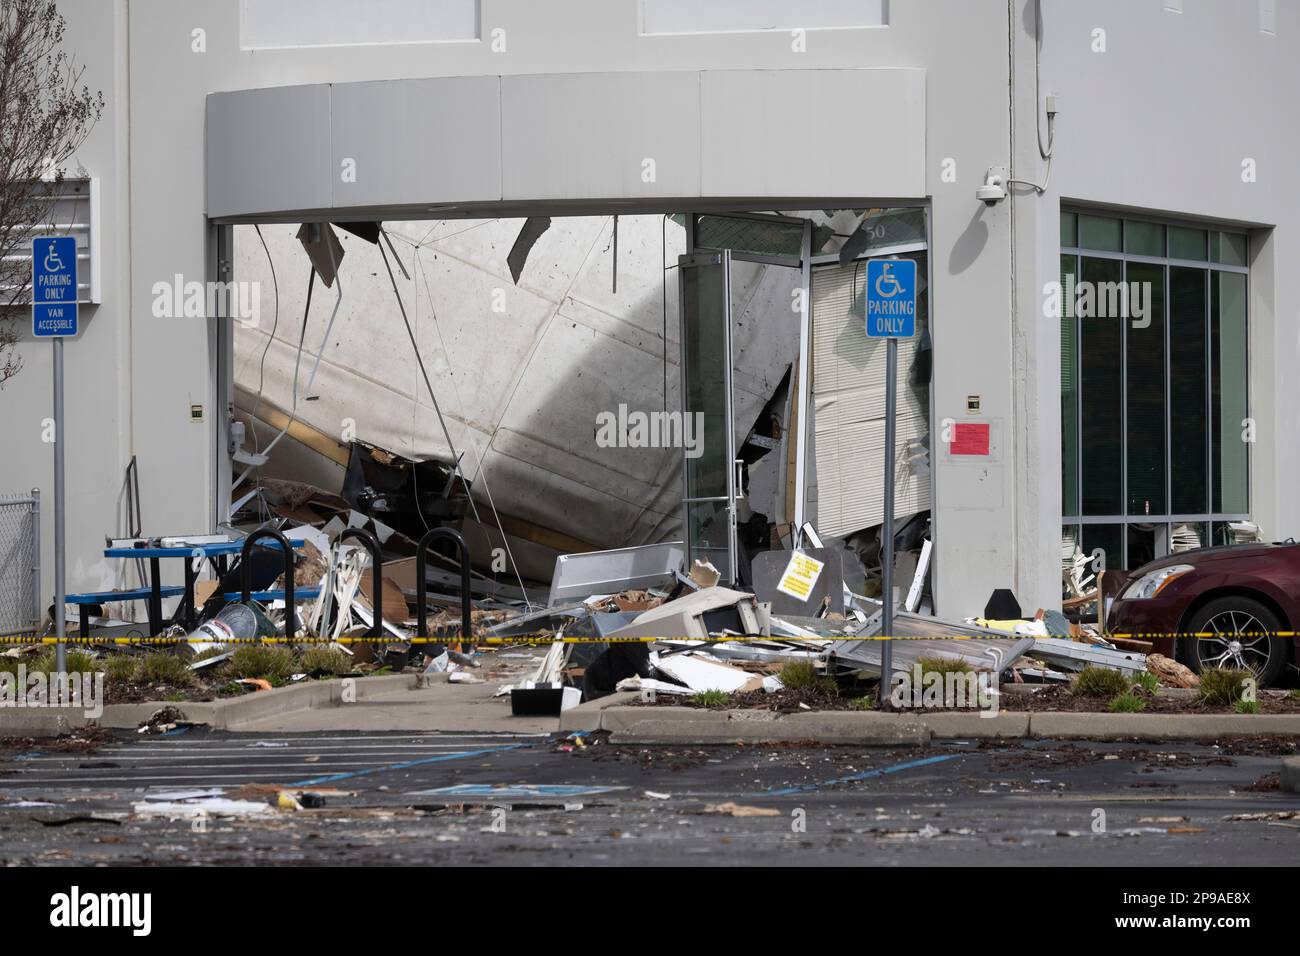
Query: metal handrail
[290,619]
[422,586]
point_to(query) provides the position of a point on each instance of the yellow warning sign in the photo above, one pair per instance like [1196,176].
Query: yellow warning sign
[800,576]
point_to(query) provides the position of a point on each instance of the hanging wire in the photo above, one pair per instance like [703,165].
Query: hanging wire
[293,411]
[478,456]
[263,512]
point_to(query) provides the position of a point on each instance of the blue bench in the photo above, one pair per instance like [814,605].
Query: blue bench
[88,599]
[277,594]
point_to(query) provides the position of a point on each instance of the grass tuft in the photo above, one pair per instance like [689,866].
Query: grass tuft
[78,662]
[1127,703]
[1221,685]
[273,662]
[120,668]
[163,668]
[1100,682]
[1248,707]
[710,698]
[804,675]
[943,665]
[1147,681]
[863,703]
[322,657]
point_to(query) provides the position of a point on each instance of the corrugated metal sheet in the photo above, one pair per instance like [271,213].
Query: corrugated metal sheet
[849,409]
[523,385]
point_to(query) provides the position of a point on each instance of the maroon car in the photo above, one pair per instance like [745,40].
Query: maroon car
[1235,606]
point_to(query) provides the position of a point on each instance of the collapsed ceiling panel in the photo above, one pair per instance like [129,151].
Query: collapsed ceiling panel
[520,371]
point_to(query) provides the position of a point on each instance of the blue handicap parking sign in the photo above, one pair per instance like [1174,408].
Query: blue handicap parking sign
[54,286]
[891,298]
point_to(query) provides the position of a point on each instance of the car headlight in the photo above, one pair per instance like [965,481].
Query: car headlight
[1151,583]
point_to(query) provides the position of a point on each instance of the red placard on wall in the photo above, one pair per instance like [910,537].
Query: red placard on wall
[969,438]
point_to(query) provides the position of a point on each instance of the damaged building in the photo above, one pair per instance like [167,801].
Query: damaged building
[470,279]
[554,386]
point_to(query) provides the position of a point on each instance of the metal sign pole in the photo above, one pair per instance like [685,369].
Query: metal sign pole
[55,315]
[60,622]
[889,305]
[887,526]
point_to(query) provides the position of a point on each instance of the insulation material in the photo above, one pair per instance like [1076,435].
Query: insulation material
[849,410]
[702,673]
[520,371]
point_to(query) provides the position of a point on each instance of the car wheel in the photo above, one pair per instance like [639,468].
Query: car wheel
[1238,632]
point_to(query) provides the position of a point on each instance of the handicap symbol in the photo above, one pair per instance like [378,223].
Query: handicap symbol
[52,261]
[887,279]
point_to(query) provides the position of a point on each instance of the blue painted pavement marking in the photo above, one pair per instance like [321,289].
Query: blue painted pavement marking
[331,778]
[514,793]
[864,775]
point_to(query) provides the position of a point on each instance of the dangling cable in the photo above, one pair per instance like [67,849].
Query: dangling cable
[262,511]
[302,336]
[275,324]
[482,471]
[424,372]
[338,301]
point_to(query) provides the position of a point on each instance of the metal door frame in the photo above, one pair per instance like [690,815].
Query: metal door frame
[695,260]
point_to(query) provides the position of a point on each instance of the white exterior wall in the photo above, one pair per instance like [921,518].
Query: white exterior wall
[98,363]
[1156,123]
[1162,122]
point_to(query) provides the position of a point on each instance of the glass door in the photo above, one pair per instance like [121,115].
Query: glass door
[709,501]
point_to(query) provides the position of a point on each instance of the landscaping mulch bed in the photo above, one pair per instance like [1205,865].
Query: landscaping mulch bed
[780,702]
[1060,699]
[131,692]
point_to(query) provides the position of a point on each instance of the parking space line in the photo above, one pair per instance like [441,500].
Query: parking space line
[404,765]
[864,775]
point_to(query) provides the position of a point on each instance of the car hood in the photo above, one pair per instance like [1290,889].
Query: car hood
[1204,556]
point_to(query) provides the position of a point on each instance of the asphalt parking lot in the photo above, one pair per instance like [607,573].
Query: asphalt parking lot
[546,801]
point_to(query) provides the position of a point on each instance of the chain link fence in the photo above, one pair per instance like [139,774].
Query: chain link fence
[20,563]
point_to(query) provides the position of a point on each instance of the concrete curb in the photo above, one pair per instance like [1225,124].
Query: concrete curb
[1161,726]
[954,725]
[217,714]
[1290,776]
[587,716]
[688,725]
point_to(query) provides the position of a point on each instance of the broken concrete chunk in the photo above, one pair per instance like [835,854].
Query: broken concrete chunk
[704,574]
[1172,673]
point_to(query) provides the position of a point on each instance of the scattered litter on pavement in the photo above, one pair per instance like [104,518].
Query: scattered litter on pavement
[733,809]
[215,806]
[1264,816]
[85,818]
[489,792]
[299,800]
[162,720]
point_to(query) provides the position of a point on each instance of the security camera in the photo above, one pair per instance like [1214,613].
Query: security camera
[994,189]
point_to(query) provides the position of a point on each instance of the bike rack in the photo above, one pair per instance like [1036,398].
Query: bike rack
[376,577]
[422,586]
[290,619]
